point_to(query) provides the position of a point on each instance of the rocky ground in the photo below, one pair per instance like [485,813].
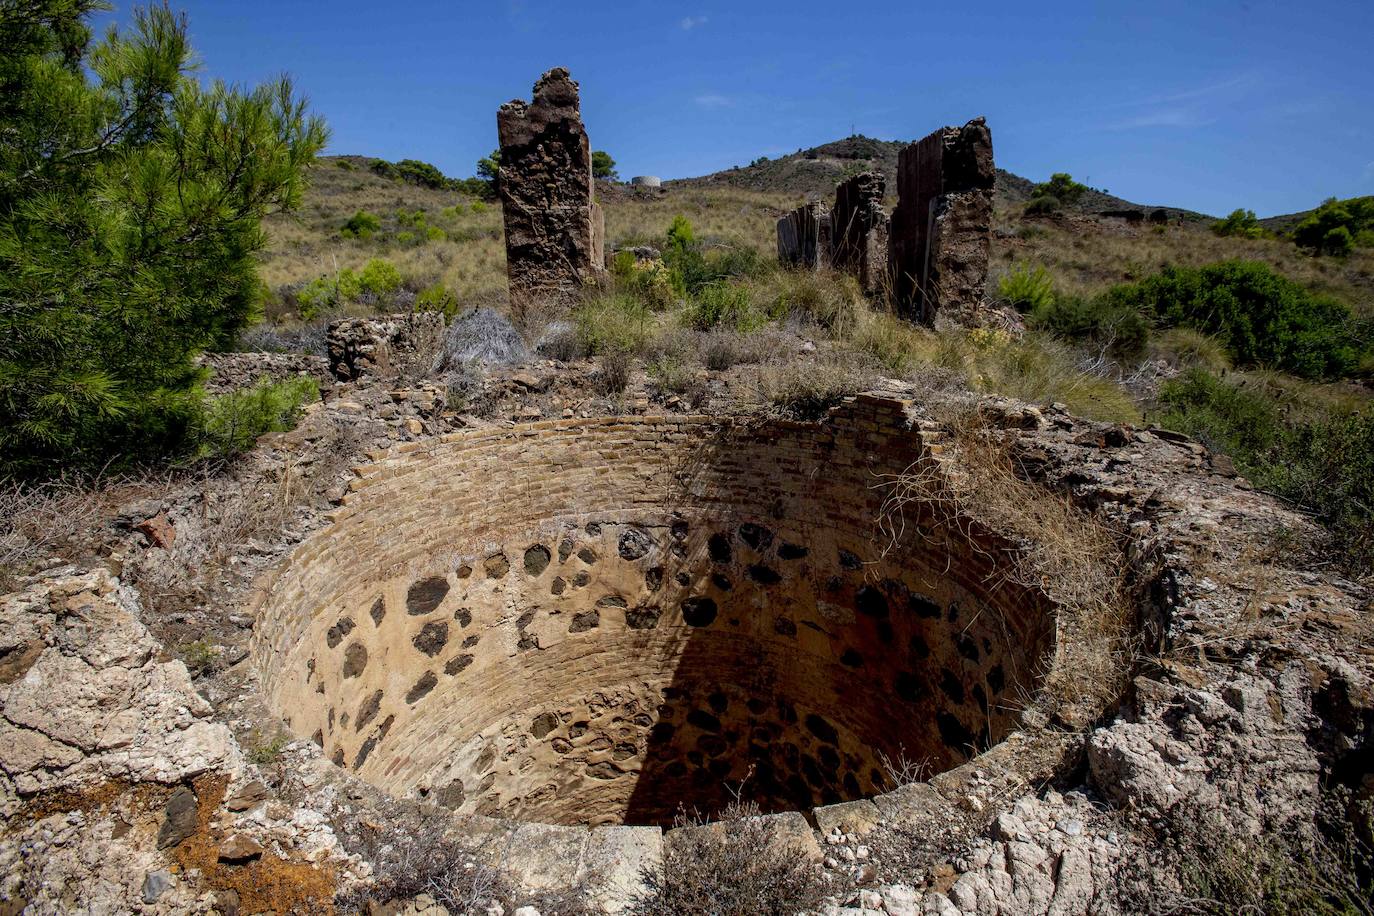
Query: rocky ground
[139,773]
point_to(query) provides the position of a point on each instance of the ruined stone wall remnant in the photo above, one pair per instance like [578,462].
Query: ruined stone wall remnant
[941,232]
[554,230]
[391,343]
[860,230]
[804,236]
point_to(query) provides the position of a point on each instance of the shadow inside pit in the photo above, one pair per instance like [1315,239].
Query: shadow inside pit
[759,720]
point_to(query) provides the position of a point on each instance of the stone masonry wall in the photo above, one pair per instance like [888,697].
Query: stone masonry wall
[367,346]
[804,236]
[590,621]
[859,227]
[554,230]
[941,233]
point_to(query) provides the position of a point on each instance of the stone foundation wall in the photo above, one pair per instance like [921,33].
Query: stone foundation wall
[592,621]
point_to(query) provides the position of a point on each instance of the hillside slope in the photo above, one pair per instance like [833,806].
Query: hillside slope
[1083,251]
[813,173]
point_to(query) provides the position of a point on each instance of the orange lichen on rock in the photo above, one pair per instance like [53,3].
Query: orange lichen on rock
[266,884]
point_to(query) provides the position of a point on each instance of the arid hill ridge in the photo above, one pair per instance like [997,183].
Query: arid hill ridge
[815,172]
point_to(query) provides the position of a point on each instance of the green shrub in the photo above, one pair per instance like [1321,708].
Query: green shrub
[612,322]
[405,238]
[361,225]
[1320,459]
[264,753]
[1118,329]
[738,261]
[489,172]
[1240,224]
[1062,188]
[380,278]
[233,422]
[420,173]
[328,292]
[479,207]
[200,657]
[723,304]
[1321,232]
[1027,288]
[1265,318]
[623,264]
[435,234]
[692,268]
[1044,205]
[650,281]
[603,166]
[413,218]
[129,229]
[1338,242]
[1226,417]
[437,298]
[680,233]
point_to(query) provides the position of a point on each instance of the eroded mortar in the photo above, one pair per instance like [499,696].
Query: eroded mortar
[607,621]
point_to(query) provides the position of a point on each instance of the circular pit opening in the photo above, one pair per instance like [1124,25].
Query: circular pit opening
[613,621]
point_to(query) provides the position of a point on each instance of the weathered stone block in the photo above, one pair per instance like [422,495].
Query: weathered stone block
[804,236]
[941,232]
[858,816]
[554,229]
[859,226]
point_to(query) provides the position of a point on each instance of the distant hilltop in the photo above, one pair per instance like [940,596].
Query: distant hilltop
[816,171]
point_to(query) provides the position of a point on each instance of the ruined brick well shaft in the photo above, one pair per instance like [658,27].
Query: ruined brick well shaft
[599,621]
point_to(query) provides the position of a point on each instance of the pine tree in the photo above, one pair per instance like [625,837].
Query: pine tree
[131,201]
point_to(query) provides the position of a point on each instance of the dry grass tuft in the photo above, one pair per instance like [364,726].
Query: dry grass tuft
[806,388]
[1070,556]
[37,522]
[741,864]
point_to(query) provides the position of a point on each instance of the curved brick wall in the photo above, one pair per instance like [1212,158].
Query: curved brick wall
[596,621]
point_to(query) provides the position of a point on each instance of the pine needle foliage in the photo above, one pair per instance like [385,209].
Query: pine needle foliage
[131,200]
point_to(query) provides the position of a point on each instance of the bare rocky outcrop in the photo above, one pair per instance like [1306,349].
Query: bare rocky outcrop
[85,697]
[391,344]
[860,231]
[804,236]
[122,789]
[941,233]
[554,228]
[113,770]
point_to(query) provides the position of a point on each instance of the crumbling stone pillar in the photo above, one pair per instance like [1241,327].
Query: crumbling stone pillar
[554,230]
[859,226]
[941,233]
[804,236]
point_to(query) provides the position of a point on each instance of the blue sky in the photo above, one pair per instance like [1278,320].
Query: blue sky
[1207,104]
